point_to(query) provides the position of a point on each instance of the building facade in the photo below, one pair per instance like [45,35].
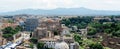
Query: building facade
[31,24]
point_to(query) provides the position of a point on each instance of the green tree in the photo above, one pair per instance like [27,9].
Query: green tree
[107,30]
[40,45]
[31,45]
[96,46]
[78,38]
[7,35]
[18,28]
[80,22]
[91,31]
[117,34]
[33,40]
[10,21]
[95,24]
[8,32]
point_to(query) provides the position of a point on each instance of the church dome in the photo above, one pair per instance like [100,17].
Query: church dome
[61,45]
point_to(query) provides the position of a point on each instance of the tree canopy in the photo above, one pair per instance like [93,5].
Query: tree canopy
[96,46]
[9,31]
[40,45]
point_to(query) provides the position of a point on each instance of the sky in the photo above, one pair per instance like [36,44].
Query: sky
[12,5]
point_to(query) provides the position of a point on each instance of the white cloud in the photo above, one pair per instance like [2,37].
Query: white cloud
[10,5]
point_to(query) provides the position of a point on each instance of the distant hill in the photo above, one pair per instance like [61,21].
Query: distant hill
[63,11]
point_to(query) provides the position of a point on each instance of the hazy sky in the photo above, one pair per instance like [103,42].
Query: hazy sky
[11,5]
